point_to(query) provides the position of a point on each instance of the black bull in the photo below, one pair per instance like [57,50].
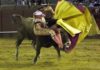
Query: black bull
[25,30]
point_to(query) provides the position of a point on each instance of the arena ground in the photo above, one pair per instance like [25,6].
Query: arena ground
[86,56]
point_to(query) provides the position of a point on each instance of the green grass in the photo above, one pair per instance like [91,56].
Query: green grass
[86,56]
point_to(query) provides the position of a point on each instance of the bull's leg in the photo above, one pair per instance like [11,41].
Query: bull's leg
[38,48]
[37,53]
[58,50]
[34,44]
[18,42]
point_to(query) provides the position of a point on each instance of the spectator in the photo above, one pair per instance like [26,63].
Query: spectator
[39,2]
[18,2]
[21,2]
[91,5]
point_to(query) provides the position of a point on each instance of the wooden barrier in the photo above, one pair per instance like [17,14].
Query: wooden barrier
[7,11]
[6,16]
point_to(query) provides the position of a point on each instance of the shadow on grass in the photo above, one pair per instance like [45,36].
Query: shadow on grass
[14,65]
[26,65]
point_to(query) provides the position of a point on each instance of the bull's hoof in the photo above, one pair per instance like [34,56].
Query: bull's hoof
[34,62]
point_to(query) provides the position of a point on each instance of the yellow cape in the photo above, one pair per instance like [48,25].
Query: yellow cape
[74,19]
[94,29]
[66,9]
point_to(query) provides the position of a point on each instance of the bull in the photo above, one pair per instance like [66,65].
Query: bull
[25,30]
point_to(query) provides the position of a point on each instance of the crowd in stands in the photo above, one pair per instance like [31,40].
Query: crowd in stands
[31,2]
[93,5]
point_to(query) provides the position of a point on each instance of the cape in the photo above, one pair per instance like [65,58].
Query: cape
[74,21]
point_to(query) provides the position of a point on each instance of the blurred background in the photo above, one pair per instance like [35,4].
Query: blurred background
[27,7]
